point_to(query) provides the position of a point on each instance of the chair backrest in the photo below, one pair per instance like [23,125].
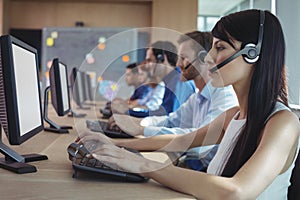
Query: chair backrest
[294,189]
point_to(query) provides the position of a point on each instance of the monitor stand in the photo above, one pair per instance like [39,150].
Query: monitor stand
[18,163]
[53,126]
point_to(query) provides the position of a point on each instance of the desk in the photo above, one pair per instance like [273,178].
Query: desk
[53,180]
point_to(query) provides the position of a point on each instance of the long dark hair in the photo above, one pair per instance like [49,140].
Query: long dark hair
[268,84]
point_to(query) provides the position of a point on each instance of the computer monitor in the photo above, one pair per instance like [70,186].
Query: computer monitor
[75,94]
[60,98]
[88,87]
[78,88]
[20,102]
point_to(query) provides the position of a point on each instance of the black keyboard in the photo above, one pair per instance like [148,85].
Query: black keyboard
[101,126]
[81,163]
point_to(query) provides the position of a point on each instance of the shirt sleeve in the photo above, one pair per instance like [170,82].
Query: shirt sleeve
[176,122]
[157,97]
[154,130]
[182,117]
[221,101]
[154,121]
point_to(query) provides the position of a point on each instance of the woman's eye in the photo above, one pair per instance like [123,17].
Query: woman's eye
[220,48]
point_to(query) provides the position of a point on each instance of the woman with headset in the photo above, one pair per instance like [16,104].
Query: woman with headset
[258,141]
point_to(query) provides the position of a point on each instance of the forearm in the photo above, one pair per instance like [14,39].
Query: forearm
[150,131]
[145,144]
[133,103]
[168,143]
[197,184]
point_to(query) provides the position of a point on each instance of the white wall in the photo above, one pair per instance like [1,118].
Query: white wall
[288,13]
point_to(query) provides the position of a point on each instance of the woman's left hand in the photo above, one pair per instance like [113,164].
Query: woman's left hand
[122,159]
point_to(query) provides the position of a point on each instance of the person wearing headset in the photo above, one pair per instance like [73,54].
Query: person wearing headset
[132,79]
[258,142]
[200,109]
[162,57]
[148,94]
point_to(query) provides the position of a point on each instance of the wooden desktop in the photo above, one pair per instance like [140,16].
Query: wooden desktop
[53,180]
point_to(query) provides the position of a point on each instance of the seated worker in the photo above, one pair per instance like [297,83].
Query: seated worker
[199,110]
[132,79]
[161,59]
[151,101]
[154,98]
[159,55]
[258,141]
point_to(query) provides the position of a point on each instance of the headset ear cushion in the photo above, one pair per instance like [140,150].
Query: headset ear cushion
[201,55]
[160,58]
[251,56]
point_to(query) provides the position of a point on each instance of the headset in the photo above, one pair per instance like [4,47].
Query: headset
[202,53]
[250,52]
[160,57]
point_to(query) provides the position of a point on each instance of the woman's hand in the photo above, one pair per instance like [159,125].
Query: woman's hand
[122,159]
[92,140]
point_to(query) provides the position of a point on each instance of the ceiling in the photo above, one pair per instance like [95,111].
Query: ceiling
[216,7]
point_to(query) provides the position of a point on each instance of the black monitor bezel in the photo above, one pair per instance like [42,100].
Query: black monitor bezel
[14,136]
[56,90]
[88,87]
[75,87]
[83,86]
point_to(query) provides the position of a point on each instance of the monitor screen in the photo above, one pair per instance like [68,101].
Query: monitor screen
[21,113]
[59,87]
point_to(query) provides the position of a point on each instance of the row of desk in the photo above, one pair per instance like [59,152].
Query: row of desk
[53,180]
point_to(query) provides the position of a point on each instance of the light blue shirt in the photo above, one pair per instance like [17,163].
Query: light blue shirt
[154,97]
[199,110]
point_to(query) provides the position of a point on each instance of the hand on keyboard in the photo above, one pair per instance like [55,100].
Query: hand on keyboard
[81,161]
[112,125]
[81,155]
[93,140]
[103,149]
[129,124]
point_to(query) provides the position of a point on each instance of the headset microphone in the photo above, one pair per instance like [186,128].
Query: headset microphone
[190,64]
[234,56]
[250,52]
[201,56]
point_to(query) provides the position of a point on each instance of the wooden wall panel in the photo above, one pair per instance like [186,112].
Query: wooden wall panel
[35,14]
[176,15]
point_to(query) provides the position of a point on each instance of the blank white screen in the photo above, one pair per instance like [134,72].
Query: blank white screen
[64,86]
[27,89]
